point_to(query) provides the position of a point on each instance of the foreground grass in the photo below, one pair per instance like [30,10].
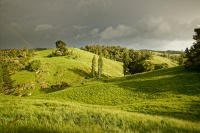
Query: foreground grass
[33,115]
[172,92]
[160,101]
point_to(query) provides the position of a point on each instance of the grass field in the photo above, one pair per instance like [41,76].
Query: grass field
[74,69]
[160,101]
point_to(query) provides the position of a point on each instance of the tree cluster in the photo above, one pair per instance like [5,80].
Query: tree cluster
[61,49]
[13,60]
[16,60]
[110,52]
[139,61]
[5,78]
[133,60]
[192,55]
[100,66]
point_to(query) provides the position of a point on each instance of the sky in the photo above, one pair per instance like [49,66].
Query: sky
[136,24]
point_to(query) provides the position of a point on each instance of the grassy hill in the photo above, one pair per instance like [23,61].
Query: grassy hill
[159,60]
[76,68]
[165,100]
[173,92]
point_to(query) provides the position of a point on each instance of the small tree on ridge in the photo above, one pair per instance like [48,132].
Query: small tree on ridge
[100,65]
[93,66]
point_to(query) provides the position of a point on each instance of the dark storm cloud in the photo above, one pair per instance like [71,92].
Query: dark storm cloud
[139,24]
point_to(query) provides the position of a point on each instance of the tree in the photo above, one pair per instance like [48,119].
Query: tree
[61,48]
[93,66]
[1,76]
[60,44]
[193,54]
[6,81]
[25,50]
[33,65]
[100,65]
[181,59]
[126,60]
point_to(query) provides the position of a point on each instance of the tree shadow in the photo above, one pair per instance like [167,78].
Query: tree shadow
[177,84]
[54,88]
[191,111]
[84,73]
[80,72]
[158,85]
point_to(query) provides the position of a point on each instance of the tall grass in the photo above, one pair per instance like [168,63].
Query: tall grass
[172,92]
[32,115]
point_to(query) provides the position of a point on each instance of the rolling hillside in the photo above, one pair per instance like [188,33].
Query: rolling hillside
[161,92]
[76,68]
[160,101]
[159,60]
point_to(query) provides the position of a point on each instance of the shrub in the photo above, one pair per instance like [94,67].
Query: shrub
[58,53]
[33,65]
[161,66]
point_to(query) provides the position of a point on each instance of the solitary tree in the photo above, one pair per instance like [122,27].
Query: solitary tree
[100,65]
[6,81]
[61,48]
[126,60]
[181,59]
[193,54]
[93,66]
[1,76]
[60,44]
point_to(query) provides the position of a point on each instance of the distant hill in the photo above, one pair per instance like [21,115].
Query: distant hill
[156,59]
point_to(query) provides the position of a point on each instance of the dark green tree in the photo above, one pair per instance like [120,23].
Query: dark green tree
[61,48]
[60,44]
[126,60]
[93,66]
[100,65]
[1,76]
[6,80]
[25,50]
[181,59]
[193,54]
[33,65]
